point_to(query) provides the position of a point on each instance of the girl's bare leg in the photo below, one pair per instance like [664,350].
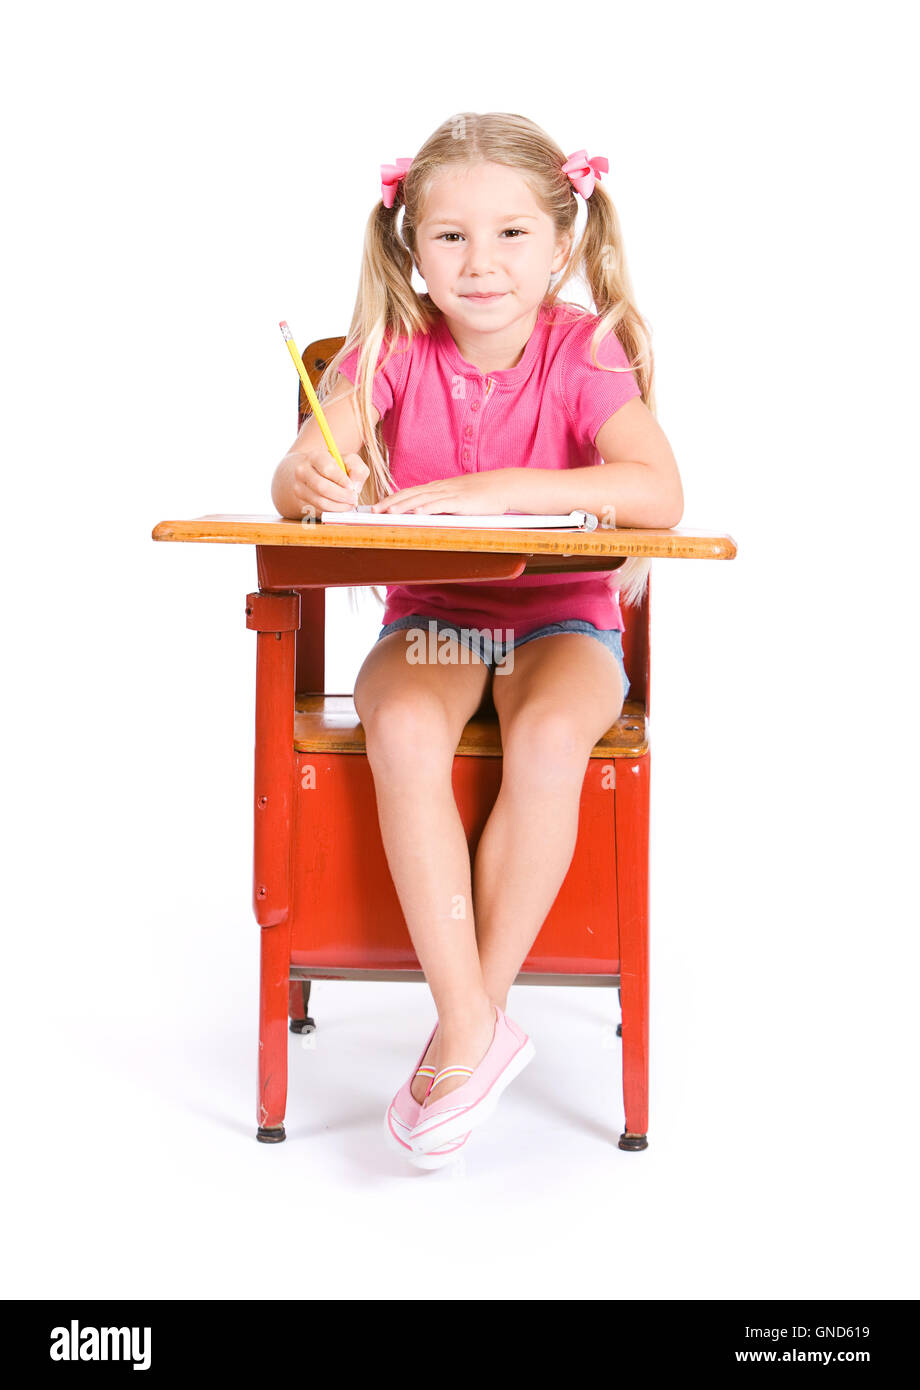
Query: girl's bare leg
[413,715]
[562,694]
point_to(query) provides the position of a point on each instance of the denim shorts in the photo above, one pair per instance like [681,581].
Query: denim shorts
[479,640]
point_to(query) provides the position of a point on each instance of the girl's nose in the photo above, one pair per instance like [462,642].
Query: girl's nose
[479,259]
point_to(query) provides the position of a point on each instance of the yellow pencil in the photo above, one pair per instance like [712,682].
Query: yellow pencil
[311,397]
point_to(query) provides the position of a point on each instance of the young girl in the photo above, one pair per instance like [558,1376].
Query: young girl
[487,394]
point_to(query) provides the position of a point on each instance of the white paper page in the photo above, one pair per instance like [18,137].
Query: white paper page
[526,521]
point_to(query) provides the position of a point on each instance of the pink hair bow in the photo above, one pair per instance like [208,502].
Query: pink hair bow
[584,171]
[390,175]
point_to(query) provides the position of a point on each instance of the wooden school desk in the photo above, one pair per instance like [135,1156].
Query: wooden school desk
[322,892]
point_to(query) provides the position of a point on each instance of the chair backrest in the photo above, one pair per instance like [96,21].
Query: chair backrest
[636,638]
[315,359]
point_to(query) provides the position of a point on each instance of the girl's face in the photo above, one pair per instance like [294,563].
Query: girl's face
[485,249]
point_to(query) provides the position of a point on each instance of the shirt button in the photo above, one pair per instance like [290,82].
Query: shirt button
[474,405]
[466,453]
[468,431]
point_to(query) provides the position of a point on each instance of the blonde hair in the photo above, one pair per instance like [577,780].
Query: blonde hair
[388,306]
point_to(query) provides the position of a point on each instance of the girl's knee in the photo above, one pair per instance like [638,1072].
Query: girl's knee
[542,737]
[407,732]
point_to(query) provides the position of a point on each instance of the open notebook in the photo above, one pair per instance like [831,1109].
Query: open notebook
[506,521]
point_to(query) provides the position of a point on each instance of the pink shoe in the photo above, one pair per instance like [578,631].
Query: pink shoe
[403,1113]
[470,1104]
[437,1158]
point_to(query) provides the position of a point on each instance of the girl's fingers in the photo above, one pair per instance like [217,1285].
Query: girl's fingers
[333,474]
[324,498]
[403,501]
[331,483]
[358,470]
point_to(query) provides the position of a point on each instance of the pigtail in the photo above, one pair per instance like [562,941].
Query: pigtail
[386,306]
[600,260]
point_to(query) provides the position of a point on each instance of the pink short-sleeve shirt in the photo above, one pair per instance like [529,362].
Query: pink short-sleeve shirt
[441,416]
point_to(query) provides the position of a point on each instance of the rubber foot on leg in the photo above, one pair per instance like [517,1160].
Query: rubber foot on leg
[273,1134]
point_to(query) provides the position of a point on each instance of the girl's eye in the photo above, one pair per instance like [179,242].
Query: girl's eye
[519,230]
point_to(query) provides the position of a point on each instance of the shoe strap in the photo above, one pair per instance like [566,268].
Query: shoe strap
[425,1071]
[448,1071]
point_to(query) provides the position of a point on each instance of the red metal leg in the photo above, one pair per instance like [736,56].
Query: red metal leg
[632,833]
[299,1006]
[275,617]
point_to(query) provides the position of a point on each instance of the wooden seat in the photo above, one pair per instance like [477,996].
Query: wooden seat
[330,724]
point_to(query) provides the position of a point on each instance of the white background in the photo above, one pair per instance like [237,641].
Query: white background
[183,177]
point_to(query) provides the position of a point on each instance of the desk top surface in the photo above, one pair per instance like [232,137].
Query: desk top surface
[677,543]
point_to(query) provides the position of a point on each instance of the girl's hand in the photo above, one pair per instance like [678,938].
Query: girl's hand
[483,493]
[319,484]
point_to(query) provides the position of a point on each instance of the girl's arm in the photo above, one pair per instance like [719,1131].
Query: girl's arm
[342,417]
[638,484]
